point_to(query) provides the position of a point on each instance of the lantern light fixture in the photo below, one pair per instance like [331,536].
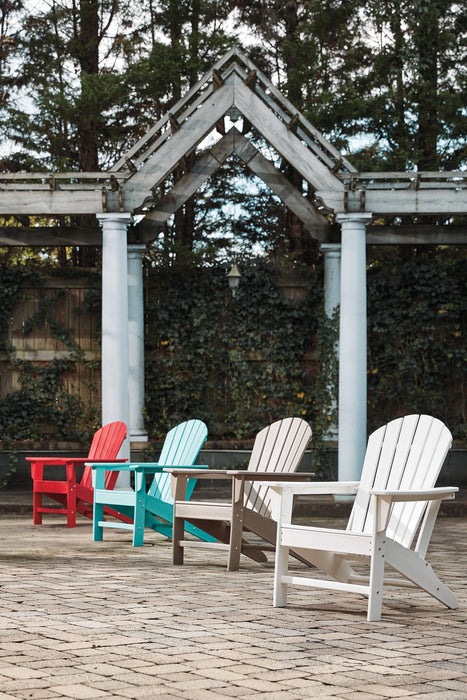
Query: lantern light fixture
[234,279]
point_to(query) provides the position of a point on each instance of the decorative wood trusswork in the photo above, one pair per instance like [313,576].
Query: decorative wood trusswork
[234,83]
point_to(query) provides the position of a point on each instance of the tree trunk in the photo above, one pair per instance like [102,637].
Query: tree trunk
[426,40]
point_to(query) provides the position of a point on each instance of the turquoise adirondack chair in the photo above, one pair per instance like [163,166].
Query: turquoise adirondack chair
[151,508]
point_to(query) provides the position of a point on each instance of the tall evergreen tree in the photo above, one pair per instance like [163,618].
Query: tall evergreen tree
[10,76]
[75,93]
[415,105]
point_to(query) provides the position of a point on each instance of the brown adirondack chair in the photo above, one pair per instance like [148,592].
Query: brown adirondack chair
[276,455]
[76,497]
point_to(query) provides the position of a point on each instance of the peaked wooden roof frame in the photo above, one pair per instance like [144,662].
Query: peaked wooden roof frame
[234,83]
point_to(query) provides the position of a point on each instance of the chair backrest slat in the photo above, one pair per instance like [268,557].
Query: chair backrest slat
[405,454]
[278,448]
[385,459]
[433,442]
[105,444]
[180,449]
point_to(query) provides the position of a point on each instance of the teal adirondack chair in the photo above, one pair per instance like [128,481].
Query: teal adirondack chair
[151,508]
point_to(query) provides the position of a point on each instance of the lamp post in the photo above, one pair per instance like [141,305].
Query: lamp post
[234,279]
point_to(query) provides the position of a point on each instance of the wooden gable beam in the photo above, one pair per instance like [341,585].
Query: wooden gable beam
[174,127]
[203,168]
[217,80]
[207,164]
[284,141]
[281,186]
[138,187]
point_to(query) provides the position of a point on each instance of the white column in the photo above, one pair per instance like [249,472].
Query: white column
[115,402]
[136,342]
[352,347]
[332,277]
[332,300]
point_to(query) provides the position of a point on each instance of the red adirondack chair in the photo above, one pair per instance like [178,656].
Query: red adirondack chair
[76,497]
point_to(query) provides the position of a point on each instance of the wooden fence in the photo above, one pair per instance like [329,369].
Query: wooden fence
[52,322]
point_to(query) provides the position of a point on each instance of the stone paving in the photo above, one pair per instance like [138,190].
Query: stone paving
[83,620]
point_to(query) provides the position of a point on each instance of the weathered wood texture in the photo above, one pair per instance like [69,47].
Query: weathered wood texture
[233,83]
[56,302]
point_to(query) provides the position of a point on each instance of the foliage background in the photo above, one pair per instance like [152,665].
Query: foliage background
[385,82]
[239,363]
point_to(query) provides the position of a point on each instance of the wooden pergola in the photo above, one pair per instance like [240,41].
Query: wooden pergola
[133,200]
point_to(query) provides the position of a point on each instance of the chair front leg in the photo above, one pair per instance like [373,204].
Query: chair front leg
[178,529]
[236,525]
[281,569]
[179,485]
[140,510]
[97,517]
[375,598]
[71,495]
[36,505]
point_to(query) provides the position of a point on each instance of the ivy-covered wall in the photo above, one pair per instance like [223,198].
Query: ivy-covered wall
[417,316]
[241,362]
[236,362]
[49,377]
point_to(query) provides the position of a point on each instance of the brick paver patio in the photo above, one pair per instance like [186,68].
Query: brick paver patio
[87,620]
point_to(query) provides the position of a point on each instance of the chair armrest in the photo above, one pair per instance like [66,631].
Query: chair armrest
[154,468]
[316,488]
[238,474]
[56,461]
[201,472]
[435,494]
[384,499]
[116,465]
[38,464]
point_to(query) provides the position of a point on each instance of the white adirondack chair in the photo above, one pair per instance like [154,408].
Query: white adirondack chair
[276,455]
[395,497]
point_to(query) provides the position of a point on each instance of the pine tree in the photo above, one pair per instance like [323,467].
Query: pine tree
[10,76]
[414,108]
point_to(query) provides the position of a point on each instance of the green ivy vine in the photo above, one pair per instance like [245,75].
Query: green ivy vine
[417,315]
[41,407]
[242,362]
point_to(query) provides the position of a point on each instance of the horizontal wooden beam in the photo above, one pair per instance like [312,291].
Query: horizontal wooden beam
[35,236]
[50,203]
[416,234]
[441,201]
[410,234]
